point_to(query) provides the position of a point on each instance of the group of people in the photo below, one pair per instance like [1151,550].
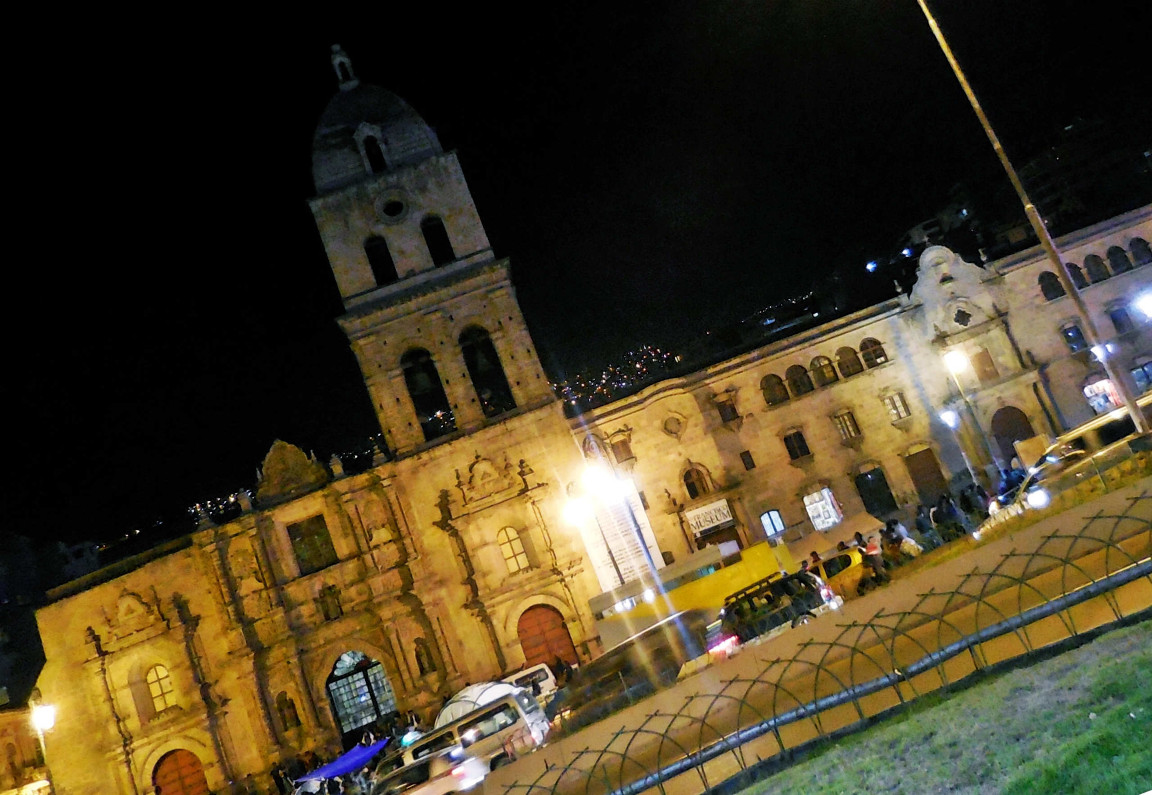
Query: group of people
[946,520]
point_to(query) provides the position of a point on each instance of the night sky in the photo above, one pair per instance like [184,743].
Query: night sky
[653,169]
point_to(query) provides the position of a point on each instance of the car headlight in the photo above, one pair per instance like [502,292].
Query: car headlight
[1038,498]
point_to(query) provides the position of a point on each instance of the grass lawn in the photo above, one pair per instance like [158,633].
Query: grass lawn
[1079,722]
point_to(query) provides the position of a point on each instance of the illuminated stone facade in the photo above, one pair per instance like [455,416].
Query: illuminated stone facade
[454,558]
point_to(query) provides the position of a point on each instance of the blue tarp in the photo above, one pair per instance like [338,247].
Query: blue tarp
[348,762]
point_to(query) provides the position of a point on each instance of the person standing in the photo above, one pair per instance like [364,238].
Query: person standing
[928,535]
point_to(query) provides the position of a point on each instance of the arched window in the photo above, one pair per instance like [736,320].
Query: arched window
[380,260]
[696,483]
[375,155]
[823,371]
[1077,276]
[286,709]
[774,390]
[515,558]
[1141,253]
[160,688]
[1050,286]
[799,383]
[427,393]
[425,661]
[1118,260]
[487,375]
[1097,270]
[436,238]
[848,362]
[873,353]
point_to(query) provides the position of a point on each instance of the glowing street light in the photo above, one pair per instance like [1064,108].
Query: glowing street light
[43,718]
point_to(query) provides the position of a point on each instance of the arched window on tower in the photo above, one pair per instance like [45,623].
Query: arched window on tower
[380,260]
[823,371]
[873,353]
[487,374]
[849,362]
[375,154]
[427,393]
[436,237]
[1097,270]
[799,382]
[1118,260]
[1050,286]
[1077,276]
[1141,252]
[774,390]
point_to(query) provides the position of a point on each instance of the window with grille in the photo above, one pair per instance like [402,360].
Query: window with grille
[160,688]
[896,405]
[797,445]
[846,425]
[515,557]
[311,544]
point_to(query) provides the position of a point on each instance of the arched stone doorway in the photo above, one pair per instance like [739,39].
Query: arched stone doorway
[179,772]
[544,636]
[1010,425]
[360,694]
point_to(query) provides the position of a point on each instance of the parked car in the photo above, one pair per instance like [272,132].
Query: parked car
[495,733]
[842,571]
[539,679]
[449,770]
[775,604]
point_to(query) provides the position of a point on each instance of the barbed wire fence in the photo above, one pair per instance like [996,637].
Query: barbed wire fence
[1070,584]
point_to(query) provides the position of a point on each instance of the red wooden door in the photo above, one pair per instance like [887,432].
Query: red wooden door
[543,637]
[180,773]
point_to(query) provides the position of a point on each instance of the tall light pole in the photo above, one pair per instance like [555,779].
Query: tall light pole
[43,717]
[952,420]
[957,362]
[1119,379]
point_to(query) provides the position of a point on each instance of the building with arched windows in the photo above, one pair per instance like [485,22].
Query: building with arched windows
[475,542]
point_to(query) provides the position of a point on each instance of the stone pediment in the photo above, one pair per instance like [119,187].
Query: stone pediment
[288,473]
[134,613]
[487,479]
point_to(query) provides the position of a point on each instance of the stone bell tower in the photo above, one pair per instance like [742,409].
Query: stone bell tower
[430,312]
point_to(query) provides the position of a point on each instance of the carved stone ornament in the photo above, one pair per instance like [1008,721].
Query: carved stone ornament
[486,479]
[288,473]
[133,613]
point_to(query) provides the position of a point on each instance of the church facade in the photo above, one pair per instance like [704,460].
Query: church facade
[475,542]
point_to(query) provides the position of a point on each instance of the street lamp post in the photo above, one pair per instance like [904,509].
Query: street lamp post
[1088,327]
[952,420]
[43,718]
[957,362]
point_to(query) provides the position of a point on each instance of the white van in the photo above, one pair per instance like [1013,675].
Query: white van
[539,679]
[497,732]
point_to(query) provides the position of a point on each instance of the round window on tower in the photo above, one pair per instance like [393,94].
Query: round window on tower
[391,208]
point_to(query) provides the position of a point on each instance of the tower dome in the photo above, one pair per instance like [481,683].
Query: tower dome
[365,130]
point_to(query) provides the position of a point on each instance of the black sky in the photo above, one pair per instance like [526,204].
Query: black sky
[652,169]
